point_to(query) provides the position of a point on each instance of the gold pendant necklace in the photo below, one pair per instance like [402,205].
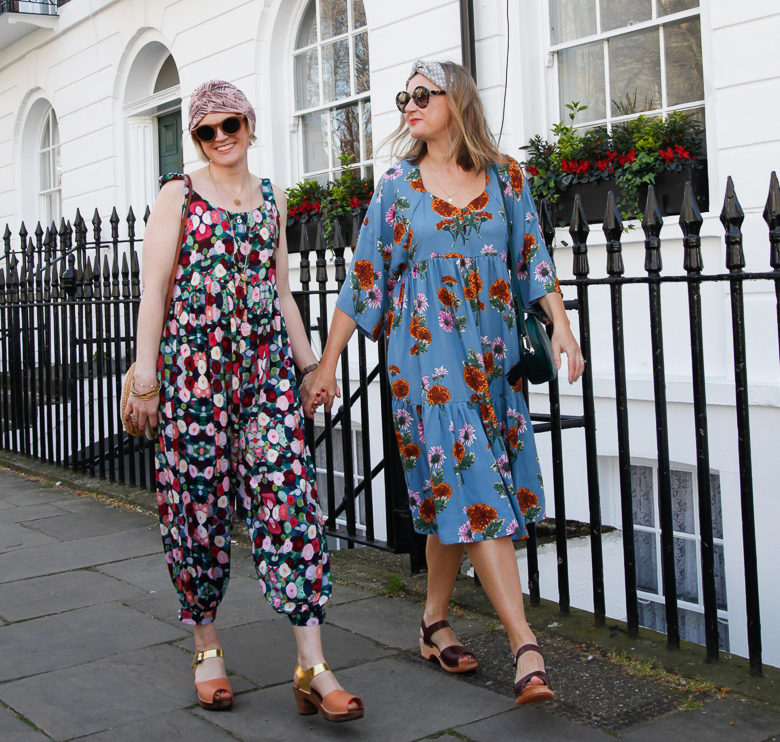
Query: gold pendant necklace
[449,195]
[236,199]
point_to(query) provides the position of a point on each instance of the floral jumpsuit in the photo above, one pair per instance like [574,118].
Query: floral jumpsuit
[230,422]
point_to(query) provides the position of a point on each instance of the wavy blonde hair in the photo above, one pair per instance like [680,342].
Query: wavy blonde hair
[472,144]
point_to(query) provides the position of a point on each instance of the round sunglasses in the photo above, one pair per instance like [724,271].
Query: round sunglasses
[230,125]
[420,95]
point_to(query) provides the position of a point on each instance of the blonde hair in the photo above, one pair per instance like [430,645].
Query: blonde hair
[472,144]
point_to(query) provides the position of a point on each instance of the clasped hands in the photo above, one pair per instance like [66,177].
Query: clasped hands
[317,388]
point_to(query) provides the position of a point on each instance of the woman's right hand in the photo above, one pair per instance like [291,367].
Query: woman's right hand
[143,412]
[318,387]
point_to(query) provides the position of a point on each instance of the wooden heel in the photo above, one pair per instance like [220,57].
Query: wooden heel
[305,706]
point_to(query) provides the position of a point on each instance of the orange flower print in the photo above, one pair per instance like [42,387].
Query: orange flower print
[389,326]
[393,369]
[449,280]
[446,297]
[480,516]
[399,230]
[364,270]
[473,286]
[365,222]
[480,202]
[408,242]
[452,255]
[401,294]
[442,224]
[400,441]
[400,388]
[410,451]
[377,331]
[442,208]
[488,362]
[417,185]
[458,451]
[528,243]
[427,509]
[500,290]
[518,385]
[442,490]
[516,176]
[414,349]
[511,435]
[425,334]
[438,394]
[526,499]
[475,379]
[488,414]
[414,327]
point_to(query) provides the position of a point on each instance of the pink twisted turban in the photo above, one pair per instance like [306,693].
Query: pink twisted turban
[217,96]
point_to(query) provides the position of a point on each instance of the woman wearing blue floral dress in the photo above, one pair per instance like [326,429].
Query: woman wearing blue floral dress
[430,273]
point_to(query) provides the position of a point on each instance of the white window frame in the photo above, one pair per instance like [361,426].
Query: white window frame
[363,98]
[655,529]
[609,121]
[49,199]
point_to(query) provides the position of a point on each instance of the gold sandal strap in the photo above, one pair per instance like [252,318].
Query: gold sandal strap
[206,655]
[306,676]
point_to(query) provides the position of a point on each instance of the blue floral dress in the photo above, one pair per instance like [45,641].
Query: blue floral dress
[434,278]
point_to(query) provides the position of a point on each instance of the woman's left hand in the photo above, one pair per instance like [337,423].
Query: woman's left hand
[563,341]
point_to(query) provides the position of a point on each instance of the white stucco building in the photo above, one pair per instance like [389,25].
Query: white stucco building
[92,98]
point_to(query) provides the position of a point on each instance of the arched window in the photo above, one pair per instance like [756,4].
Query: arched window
[49,171]
[332,88]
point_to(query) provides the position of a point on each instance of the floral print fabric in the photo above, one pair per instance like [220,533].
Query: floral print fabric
[230,424]
[435,280]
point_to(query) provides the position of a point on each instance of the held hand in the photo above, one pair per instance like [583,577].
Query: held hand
[563,341]
[318,387]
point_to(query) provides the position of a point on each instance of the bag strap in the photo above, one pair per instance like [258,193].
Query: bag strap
[184,215]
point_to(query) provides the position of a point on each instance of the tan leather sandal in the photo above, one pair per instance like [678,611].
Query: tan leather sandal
[216,694]
[335,706]
[449,657]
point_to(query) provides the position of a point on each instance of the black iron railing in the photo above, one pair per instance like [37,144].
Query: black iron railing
[68,304]
[36,7]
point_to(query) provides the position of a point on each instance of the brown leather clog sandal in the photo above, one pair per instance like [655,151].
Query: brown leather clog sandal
[338,705]
[449,657]
[216,694]
[525,692]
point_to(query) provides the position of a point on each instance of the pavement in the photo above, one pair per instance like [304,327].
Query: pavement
[90,649]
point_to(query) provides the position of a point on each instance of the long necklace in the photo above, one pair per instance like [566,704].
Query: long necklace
[236,249]
[236,199]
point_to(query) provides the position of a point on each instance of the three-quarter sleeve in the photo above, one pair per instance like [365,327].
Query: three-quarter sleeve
[534,267]
[365,294]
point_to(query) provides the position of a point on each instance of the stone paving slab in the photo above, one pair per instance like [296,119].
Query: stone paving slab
[347,594]
[93,518]
[264,652]
[21,492]
[530,723]
[724,720]
[148,572]
[391,621]
[403,703]
[76,637]
[27,513]
[16,537]
[100,695]
[13,729]
[87,552]
[175,726]
[42,596]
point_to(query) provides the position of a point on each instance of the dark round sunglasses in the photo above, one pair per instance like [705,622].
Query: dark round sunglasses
[230,125]
[420,95]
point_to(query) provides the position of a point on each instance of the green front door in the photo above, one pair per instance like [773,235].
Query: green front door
[169,143]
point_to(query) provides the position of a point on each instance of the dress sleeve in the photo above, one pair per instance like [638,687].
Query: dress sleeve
[533,264]
[365,295]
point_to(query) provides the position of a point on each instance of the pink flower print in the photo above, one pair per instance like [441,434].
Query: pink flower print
[291,590]
[307,552]
[464,534]
[512,527]
[222,557]
[445,320]
[390,215]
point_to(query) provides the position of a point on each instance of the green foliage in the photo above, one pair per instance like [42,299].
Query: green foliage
[634,153]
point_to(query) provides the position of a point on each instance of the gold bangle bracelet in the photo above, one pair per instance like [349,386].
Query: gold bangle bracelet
[151,394]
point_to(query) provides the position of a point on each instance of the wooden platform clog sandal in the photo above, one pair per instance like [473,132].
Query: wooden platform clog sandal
[449,657]
[338,705]
[216,694]
[525,691]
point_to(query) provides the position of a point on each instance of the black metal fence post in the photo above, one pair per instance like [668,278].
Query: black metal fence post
[772,218]
[731,217]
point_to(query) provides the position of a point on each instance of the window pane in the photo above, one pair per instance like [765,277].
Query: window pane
[571,19]
[675,6]
[581,77]
[646,566]
[691,625]
[682,502]
[686,569]
[367,134]
[346,132]
[333,18]
[315,146]
[335,71]
[652,615]
[635,72]
[717,517]
[307,85]
[684,75]
[620,13]
[307,33]
[45,170]
[720,578]
[46,134]
[642,495]
[358,14]
[361,63]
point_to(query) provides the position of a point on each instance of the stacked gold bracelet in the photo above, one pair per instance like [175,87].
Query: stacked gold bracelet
[151,394]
